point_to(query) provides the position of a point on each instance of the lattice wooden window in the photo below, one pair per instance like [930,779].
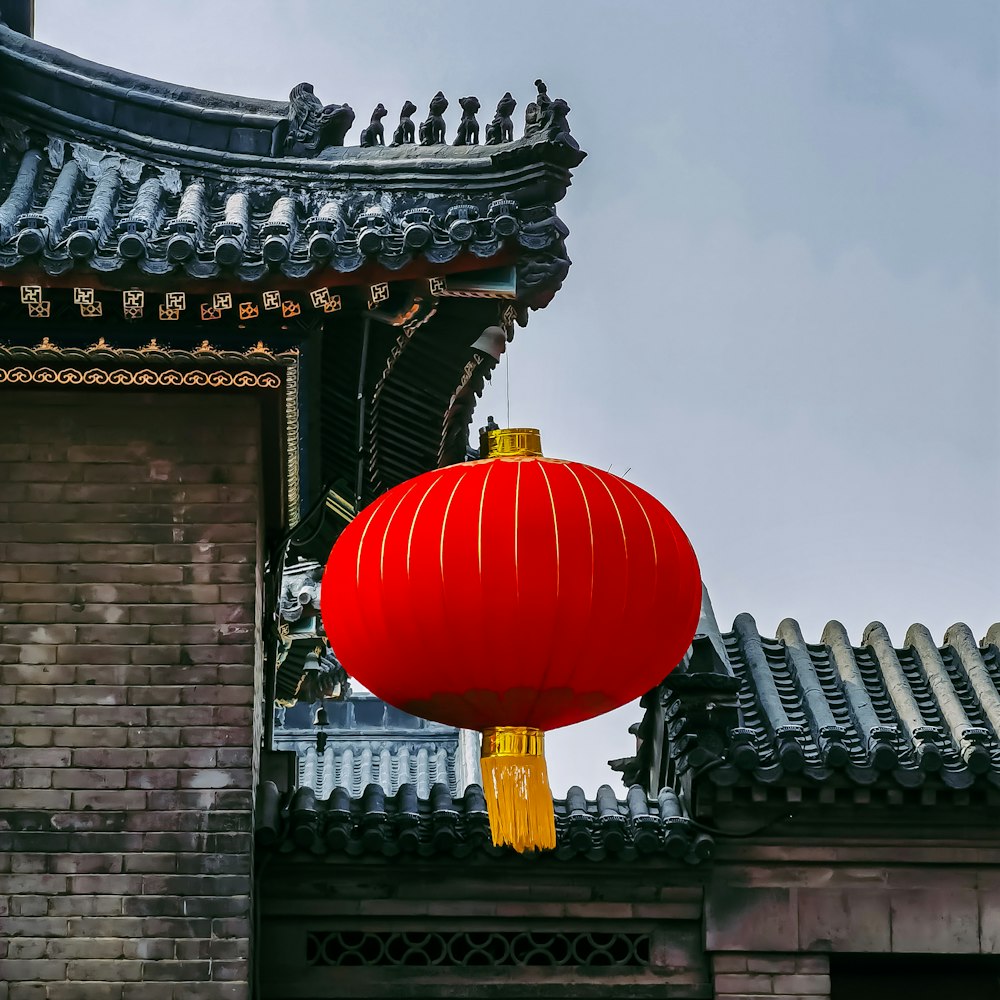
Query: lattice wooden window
[477,948]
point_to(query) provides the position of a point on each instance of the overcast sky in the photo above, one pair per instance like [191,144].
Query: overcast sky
[783,315]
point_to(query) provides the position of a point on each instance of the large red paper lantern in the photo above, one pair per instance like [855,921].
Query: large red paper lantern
[512,595]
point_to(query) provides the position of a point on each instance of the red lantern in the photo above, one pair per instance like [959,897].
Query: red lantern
[512,595]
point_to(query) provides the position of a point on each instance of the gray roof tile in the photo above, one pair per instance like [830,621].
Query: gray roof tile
[443,825]
[751,708]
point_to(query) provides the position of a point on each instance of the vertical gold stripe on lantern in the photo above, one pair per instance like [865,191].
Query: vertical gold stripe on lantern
[413,523]
[482,502]
[444,520]
[517,504]
[555,521]
[590,530]
[370,514]
[614,503]
[645,514]
[388,525]
[516,787]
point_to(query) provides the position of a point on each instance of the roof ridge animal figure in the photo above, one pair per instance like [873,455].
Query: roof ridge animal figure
[468,128]
[310,126]
[501,129]
[374,134]
[432,129]
[404,130]
[535,113]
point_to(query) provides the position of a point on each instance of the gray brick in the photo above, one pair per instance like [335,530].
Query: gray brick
[15,970]
[176,972]
[726,962]
[799,984]
[86,948]
[772,963]
[84,991]
[743,982]
[105,970]
[151,948]
[27,991]
[28,948]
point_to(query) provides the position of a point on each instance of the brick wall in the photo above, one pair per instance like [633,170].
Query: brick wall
[128,665]
[771,976]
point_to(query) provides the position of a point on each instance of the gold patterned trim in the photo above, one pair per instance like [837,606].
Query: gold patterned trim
[151,353]
[448,293]
[144,377]
[292,441]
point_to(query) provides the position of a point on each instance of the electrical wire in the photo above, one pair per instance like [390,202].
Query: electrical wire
[506,369]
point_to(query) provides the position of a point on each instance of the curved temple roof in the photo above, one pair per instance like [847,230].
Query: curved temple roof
[109,171]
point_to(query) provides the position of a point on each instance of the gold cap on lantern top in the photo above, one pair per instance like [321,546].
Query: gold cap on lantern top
[511,442]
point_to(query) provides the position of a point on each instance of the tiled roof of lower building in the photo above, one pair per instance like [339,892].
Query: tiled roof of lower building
[441,825]
[746,707]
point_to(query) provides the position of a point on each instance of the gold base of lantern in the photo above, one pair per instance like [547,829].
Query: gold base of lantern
[516,786]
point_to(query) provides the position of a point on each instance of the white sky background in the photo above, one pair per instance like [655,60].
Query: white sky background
[784,310]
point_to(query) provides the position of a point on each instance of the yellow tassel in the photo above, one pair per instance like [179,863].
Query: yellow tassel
[516,786]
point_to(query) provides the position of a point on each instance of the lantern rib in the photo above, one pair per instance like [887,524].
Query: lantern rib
[413,523]
[614,503]
[649,524]
[555,521]
[388,525]
[444,521]
[590,529]
[482,502]
[361,542]
[517,502]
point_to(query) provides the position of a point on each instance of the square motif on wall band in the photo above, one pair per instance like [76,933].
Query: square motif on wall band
[319,297]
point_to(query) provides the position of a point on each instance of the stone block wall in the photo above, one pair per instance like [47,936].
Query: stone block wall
[129,662]
[770,975]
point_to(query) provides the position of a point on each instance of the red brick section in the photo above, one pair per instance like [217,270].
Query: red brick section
[771,976]
[128,666]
